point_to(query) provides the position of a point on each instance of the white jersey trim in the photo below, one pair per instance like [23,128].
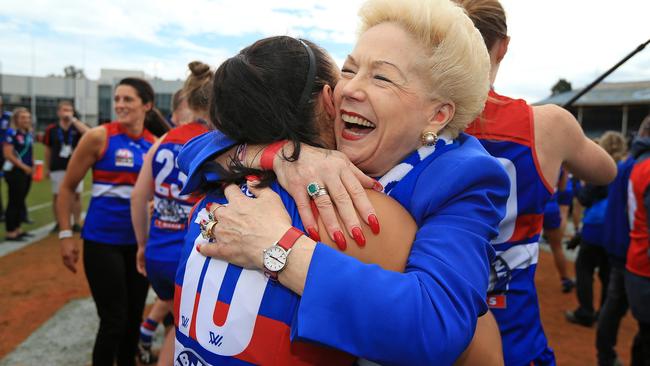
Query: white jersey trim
[521,256]
[109,190]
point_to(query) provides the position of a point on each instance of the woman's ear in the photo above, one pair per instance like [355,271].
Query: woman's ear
[327,98]
[442,115]
[502,48]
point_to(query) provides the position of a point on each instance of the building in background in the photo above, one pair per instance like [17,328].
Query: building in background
[93,99]
[609,106]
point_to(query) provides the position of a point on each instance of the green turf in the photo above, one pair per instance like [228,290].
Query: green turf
[41,193]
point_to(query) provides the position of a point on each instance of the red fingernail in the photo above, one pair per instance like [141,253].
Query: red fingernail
[340,240]
[198,248]
[252,178]
[377,186]
[313,233]
[357,234]
[314,209]
[374,223]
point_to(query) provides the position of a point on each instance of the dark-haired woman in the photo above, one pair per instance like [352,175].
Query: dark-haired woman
[160,180]
[258,308]
[397,118]
[115,152]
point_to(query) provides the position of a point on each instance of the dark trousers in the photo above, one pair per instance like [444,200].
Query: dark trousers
[2,207]
[589,258]
[119,292]
[638,295]
[2,210]
[18,183]
[611,314]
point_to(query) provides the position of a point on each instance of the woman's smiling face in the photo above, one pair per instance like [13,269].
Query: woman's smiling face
[24,121]
[383,104]
[128,105]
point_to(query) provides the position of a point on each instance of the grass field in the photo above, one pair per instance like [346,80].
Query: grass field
[39,199]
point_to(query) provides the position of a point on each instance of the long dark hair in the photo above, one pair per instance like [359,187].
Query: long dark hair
[153,120]
[267,93]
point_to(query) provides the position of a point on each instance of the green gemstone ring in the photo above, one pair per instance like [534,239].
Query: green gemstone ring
[315,190]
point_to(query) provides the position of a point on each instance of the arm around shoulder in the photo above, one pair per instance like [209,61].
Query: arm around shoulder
[390,248]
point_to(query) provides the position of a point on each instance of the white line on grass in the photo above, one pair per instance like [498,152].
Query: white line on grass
[41,206]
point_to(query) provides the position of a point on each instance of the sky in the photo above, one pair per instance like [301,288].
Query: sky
[573,39]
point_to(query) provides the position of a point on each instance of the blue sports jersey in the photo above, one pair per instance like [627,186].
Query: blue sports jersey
[244,317]
[170,209]
[593,223]
[565,196]
[5,118]
[23,145]
[5,122]
[109,215]
[506,130]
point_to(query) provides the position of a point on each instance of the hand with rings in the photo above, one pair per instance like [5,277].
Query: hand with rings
[207,226]
[245,227]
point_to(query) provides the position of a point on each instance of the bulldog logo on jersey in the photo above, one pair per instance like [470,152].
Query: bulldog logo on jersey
[189,358]
[500,276]
[124,157]
[172,215]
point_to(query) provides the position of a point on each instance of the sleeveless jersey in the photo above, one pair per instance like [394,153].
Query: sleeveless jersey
[506,131]
[170,209]
[638,254]
[256,329]
[109,215]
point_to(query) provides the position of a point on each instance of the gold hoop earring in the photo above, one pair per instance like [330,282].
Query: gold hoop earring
[429,138]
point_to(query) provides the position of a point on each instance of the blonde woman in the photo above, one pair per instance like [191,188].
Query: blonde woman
[17,149]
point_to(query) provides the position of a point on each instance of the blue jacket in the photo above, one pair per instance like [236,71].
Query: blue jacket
[616,232]
[426,315]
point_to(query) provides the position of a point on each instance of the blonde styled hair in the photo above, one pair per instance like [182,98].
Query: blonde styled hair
[15,114]
[614,143]
[457,64]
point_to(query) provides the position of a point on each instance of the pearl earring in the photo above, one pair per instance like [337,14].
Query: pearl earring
[429,138]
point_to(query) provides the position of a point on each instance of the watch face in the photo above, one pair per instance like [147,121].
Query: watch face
[275,258]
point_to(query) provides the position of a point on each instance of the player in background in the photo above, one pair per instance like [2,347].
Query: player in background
[115,152]
[637,274]
[161,237]
[532,142]
[60,140]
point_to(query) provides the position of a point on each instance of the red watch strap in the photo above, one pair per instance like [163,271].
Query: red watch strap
[268,155]
[289,238]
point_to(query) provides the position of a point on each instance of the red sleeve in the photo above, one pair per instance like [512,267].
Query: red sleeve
[47,140]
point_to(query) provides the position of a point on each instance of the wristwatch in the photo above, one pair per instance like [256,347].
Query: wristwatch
[275,257]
